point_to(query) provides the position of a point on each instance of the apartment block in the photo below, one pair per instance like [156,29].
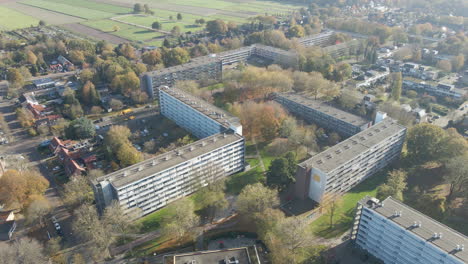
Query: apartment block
[432,88]
[322,114]
[321,40]
[336,170]
[153,183]
[207,67]
[396,233]
[195,115]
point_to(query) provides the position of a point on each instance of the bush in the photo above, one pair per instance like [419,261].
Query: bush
[32,132]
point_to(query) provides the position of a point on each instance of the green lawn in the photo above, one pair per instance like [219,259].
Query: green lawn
[237,182]
[126,31]
[344,215]
[152,221]
[11,19]
[95,6]
[166,24]
[76,11]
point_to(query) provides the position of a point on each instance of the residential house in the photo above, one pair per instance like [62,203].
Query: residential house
[7,224]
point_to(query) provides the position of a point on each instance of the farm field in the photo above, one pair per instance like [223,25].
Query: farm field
[48,16]
[166,24]
[11,19]
[126,31]
[72,10]
[96,18]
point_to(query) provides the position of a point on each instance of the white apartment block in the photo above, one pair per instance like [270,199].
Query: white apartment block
[153,183]
[336,170]
[323,114]
[397,234]
[195,115]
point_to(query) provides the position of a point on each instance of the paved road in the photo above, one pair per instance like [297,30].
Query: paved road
[453,115]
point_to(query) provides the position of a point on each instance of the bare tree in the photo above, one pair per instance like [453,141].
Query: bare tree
[37,211]
[24,251]
[330,203]
[181,220]
[77,191]
[256,198]
[89,228]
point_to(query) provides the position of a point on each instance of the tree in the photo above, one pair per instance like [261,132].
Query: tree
[19,188]
[294,233]
[425,142]
[179,16]
[458,62]
[89,94]
[78,259]
[118,221]
[77,56]
[80,128]
[24,251]
[456,176]
[120,146]
[444,65]
[288,126]
[341,72]
[115,28]
[15,77]
[31,57]
[53,246]
[86,75]
[137,8]
[181,219]
[156,25]
[397,81]
[38,210]
[139,97]
[88,228]
[394,186]
[126,50]
[166,43]
[25,117]
[175,56]
[128,155]
[296,31]
[282,172]
[147,9]
[126,83]
[175,31]
[42,23]
[212,197]
[77,191]
[256,198]
[330,203]
[216,27]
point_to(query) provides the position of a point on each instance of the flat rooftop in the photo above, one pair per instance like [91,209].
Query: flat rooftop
[196,62]
[325,108]
[168,160]
[211,257]
[409,216]
[274,49]
[350,148]
[209,110]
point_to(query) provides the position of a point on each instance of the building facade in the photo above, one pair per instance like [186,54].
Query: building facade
[439,90]
[336,170]
[322,114]
[396,233]
[195,115]
[153,183]
[208,67]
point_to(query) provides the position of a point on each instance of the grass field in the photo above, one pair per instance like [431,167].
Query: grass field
[344,215]
[71,10]
[11,19]
[125,31]
[95,6]
[166,25]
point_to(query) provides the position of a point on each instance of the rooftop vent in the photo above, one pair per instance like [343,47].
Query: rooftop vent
[436,235]
[397,214]
[319,161]
[153,163]
[416,224]
[460,247]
